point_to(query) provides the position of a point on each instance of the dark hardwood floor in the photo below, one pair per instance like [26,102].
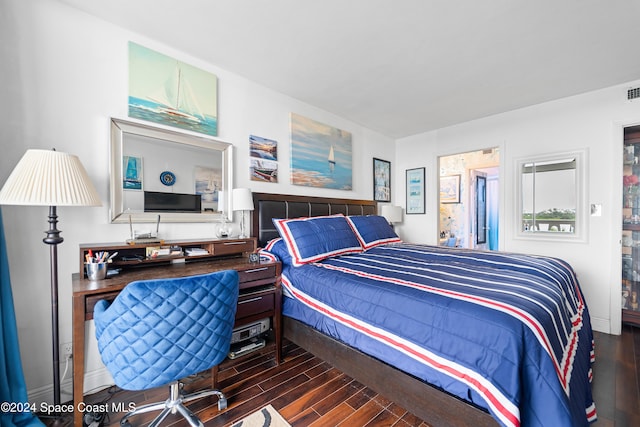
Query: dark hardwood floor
[309,392]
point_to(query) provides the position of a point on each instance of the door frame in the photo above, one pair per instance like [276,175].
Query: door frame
[465,182]
[474,174]
[615,292]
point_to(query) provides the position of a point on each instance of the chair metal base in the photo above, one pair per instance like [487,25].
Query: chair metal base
[175,404]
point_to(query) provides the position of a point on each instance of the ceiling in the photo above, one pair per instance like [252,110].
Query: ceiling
[401,67]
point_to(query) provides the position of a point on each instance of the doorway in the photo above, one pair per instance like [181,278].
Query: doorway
[469,209]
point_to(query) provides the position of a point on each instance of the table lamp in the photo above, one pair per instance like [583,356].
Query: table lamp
[392,213]
[242,200]
[50,178]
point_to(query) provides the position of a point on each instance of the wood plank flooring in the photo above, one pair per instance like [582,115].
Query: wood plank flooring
[309,392]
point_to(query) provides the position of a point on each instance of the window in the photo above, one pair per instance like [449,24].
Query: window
[551,196]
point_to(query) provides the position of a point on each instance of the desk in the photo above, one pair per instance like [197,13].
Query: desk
[260,297]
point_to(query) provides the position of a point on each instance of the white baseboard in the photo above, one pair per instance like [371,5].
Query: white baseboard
[93,381]
[601,325]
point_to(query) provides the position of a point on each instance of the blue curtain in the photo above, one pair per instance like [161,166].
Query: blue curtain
[13,390]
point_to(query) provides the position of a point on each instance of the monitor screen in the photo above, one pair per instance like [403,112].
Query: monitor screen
[156,201]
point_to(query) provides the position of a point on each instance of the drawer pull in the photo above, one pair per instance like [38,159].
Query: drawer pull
[249,300]
[255,270]
[234,243]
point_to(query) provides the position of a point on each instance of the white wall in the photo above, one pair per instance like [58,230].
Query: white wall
[591,121]
[64,74]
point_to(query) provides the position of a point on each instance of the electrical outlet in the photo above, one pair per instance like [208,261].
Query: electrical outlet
[67,349]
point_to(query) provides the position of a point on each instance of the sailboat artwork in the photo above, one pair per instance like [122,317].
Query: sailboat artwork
[208,182]
[170,92]
[331,159]
[321,155]
[177,98]
[132,173]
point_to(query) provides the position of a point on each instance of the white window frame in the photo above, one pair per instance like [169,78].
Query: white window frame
[580,233]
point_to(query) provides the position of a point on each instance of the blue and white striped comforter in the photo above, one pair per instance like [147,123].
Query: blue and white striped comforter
[508,332]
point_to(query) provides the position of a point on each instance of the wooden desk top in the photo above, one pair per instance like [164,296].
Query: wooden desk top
[84,287]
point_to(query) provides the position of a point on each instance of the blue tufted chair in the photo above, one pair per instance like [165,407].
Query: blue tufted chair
[158,331]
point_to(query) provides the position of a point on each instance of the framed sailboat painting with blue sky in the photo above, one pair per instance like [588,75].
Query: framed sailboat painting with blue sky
[320,154]
[170,92]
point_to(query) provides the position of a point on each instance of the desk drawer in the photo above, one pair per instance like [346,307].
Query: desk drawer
[257,273]
[91,301]
[254,304]
[233,247]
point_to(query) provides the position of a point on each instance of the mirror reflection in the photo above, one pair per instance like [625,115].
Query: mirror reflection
[182,177]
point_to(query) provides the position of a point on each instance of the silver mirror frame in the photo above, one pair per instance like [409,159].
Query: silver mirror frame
[120,128]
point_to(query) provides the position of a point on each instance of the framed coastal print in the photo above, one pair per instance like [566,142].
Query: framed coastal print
[381,180]
[450,189]
[263,154]
[320,154]
[132,172]
[415,191]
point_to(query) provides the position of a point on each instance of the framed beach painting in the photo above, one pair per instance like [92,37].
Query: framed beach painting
[170,92]
[415,191]
[381,180]
[320,154]
[450,189]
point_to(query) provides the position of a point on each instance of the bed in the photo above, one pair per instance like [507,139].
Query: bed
[457,337]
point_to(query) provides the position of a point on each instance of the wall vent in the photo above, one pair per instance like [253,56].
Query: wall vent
[633,93]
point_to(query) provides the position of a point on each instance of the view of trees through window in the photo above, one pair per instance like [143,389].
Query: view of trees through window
[549,190]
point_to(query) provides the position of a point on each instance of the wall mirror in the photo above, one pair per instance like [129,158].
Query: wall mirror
[551,194]
[180,176]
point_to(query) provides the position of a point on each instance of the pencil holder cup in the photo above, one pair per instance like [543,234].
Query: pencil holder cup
[96,270]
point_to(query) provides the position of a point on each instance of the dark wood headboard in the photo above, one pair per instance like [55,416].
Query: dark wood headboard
[268,206]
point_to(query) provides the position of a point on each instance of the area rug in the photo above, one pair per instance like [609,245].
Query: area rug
[265,417]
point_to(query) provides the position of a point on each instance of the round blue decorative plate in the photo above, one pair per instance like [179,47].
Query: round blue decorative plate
[167,178]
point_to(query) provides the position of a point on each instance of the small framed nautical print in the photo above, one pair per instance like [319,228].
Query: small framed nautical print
[381,180]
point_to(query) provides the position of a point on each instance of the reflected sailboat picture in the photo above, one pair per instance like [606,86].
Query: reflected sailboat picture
[132,173]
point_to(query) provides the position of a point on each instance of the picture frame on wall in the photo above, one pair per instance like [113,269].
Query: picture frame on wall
[450,189]
[320,154]
[415,191]
[174,94]
[381,180]
[132,178]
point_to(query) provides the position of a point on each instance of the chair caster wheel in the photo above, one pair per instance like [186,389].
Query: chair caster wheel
[222,403]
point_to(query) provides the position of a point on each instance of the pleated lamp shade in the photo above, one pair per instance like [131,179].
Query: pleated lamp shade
[49,178]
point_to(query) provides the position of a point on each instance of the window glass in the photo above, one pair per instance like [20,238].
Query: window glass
[551,199]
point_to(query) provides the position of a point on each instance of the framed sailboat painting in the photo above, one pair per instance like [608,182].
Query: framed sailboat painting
[170,92]
[320,154]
